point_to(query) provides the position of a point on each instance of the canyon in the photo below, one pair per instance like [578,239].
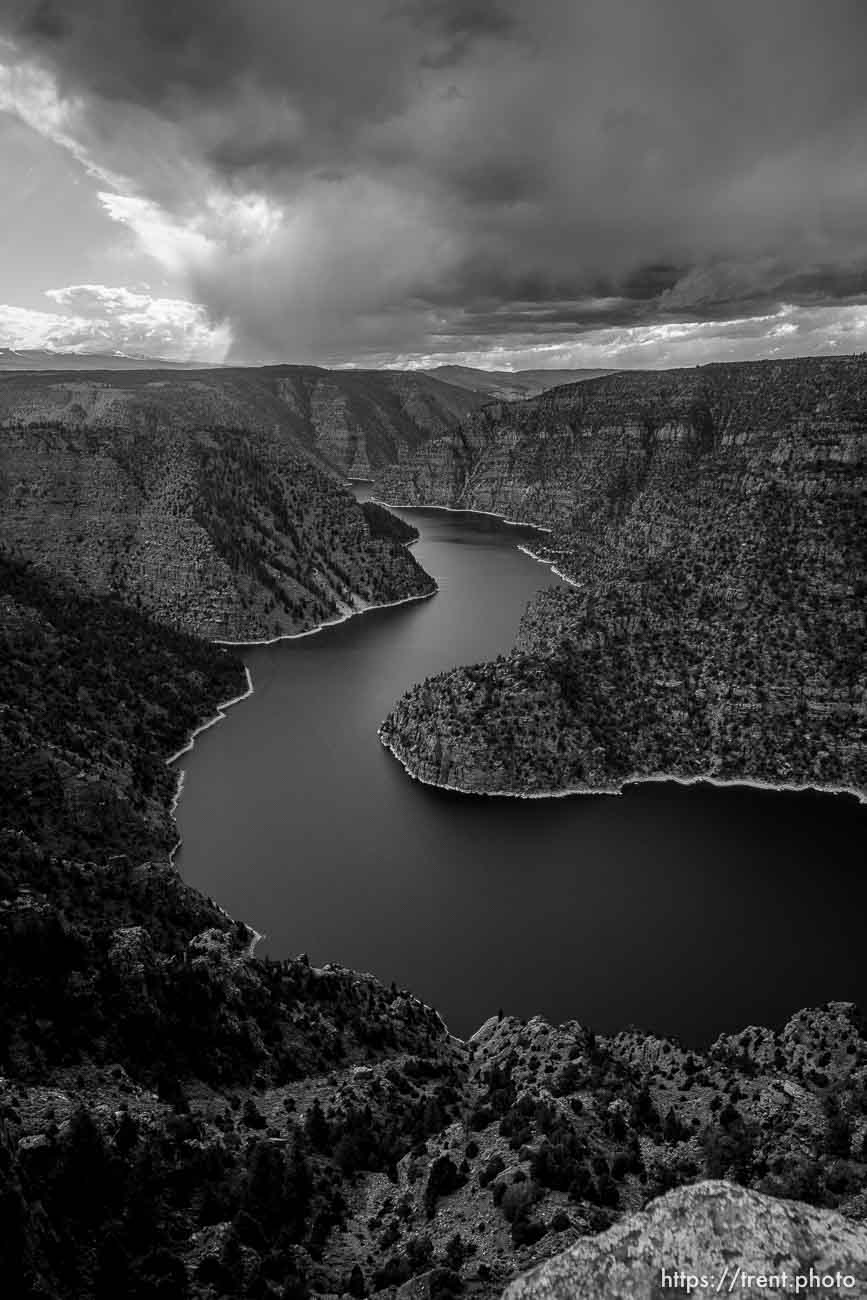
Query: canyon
[302,1128]
[180,1117]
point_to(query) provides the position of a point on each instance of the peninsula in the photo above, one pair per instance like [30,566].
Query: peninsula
[711,522]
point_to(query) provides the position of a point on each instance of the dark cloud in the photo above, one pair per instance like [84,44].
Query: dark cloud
[461,24]
[474,169]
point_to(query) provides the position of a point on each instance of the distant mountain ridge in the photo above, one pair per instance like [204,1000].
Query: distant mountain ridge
[512,385]
[352,421]
[507,385]
[355,421]
[37,359]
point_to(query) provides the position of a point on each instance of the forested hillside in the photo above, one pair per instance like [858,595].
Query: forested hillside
[217,530]
[712,522]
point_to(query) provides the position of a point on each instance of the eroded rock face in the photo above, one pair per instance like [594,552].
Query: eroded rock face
[360,420]
[693,1240]
[564,456]
[712,523]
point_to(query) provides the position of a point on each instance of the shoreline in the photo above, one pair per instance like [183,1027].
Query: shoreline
[558,573]
[205,726]
[212,722]
[491,514]
[237,699]
[618,787]
[464,510]
[334,622]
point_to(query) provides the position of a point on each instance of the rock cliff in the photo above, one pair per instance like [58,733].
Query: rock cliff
[712,524]
[703,1240]
[359,420]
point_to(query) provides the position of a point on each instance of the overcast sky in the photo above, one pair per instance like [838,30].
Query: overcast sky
[500,182]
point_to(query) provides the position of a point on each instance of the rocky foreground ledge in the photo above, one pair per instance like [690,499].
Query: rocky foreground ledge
[709,1239]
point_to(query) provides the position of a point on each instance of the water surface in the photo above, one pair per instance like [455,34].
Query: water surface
[687,911]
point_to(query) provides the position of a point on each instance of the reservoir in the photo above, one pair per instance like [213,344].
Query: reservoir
[685,911]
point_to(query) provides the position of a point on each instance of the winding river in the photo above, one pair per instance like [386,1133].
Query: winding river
[687,911]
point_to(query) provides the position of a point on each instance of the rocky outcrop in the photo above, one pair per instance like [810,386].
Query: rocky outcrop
[712,524]
[219,531]
[713,1238]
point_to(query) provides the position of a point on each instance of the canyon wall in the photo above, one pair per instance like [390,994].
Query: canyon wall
[351,421]
[712,523]
[220,531]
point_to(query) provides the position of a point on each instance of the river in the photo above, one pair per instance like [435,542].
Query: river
[686,911]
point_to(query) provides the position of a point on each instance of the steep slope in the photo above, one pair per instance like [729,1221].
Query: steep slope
[217,530]
[708,1238]
[360,420]
[179,1118]
[713,523]
[94,696]
[353,421]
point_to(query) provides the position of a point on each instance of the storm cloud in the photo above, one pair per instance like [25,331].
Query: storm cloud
[389,180]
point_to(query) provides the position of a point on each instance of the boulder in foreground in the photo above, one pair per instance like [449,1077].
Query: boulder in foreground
[694,1240]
